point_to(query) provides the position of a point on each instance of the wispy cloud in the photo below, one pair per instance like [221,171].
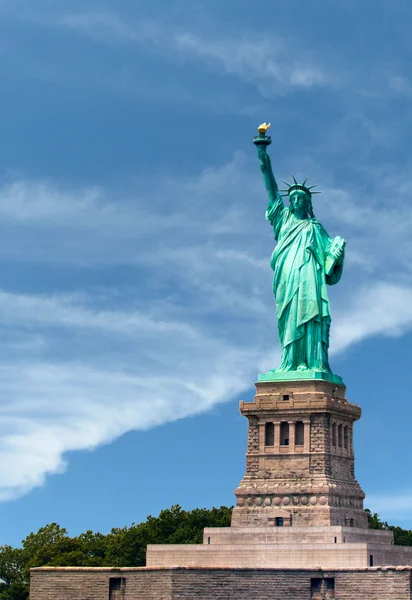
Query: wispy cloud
[97,375]
[57,408]
[64,313]
[273,66]
[378,309]
[264,62]
[400,85]
[109,28]
[249,60]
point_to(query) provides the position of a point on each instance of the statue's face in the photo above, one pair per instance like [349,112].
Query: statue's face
[299,201]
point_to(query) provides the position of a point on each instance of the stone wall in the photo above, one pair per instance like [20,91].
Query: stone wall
[73,583]
[305,535]
[378,584]
[342,468]
[244,556]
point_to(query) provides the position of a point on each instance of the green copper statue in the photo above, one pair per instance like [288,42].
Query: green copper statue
[304,261]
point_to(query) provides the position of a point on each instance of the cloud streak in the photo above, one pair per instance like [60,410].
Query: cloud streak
[262,62]
[379,309]
[274,67]
[73,407]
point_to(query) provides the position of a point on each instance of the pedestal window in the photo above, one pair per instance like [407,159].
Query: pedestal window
[299,433]
[269,434]
[334,434]
[284,433]
[340,428]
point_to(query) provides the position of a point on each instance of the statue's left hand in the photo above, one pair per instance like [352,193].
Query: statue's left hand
[337,253]
[337,248]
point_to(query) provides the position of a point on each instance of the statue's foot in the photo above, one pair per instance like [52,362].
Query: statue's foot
[302,367]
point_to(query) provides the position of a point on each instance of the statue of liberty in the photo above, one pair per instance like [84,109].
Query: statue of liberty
[304,261]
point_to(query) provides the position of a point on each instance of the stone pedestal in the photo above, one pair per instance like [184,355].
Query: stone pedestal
[300,460]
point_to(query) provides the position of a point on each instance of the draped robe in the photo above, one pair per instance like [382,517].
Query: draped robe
[299,285]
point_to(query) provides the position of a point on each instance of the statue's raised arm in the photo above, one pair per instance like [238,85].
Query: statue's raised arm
[262,141]
[276,206]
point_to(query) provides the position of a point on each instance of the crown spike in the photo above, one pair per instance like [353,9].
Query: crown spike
[316,193]
[298,186]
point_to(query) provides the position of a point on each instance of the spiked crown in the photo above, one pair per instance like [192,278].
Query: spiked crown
[292,187]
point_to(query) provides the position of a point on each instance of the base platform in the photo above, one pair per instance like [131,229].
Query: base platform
[285,547]
[275,375]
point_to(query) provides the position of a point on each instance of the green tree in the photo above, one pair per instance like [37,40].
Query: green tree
[402,537]
[13,584]
[374,521]
[127,546]
[51,546]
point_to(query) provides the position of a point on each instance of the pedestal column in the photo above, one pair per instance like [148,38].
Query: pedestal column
[291,436]
[306,445]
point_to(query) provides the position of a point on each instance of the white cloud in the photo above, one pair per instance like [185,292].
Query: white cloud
[247,59]
[57,408]
[54,311]
[401,85]
[126,226]
[110,28]
[377,309]
[98,375]
[274,66]
[41,201]
[254,61]
[378,223]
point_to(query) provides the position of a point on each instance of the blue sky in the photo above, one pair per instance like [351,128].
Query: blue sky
[135,295]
